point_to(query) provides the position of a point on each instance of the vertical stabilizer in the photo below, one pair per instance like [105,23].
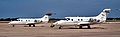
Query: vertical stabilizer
[103,15]
[46,17]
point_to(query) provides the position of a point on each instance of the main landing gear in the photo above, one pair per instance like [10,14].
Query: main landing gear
[88,26]
[31,25]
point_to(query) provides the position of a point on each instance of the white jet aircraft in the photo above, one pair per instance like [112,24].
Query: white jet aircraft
[30,22]
[83,21]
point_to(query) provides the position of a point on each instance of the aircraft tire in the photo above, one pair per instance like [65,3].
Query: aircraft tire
[80,26]
[52,26]
[13,25]
[29,25]
[89,27]
[33,25]
[60,27]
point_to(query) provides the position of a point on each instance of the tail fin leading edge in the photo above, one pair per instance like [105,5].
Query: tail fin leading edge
[103,15]
[46,17]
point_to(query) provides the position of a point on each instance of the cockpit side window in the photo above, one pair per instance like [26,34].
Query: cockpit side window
[68,18]
[21,20]
[18,20]
[28,20]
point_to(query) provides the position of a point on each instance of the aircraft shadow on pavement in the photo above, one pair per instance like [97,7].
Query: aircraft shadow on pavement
[86,28]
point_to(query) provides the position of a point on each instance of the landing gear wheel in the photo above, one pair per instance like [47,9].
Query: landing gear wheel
[33,25]
[29,25]
[60,27]
[89,27]
[80,27]
[13,25]
[52,26]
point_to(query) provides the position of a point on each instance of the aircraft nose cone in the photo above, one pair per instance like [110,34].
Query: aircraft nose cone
[12,22]
[9,23]
[55,23]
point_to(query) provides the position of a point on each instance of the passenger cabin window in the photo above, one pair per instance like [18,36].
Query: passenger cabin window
[81,19]
[35,21]
[78,19]
[95,19]
[21,20]
[71,19]
[98,20]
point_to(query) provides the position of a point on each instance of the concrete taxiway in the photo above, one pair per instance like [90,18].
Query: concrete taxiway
[43,30]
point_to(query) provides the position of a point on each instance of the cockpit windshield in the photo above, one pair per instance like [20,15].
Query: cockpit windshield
[67,18]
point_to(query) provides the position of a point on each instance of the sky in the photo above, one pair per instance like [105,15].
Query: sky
[60,8]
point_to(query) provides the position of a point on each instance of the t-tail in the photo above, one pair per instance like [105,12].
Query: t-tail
[46,17]
[103,15]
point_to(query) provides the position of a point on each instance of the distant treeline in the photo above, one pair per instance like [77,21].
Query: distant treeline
[113,18]
[8,19]
[13,19]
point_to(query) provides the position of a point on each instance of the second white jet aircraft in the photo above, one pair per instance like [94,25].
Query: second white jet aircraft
[30,22]
[83,21]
